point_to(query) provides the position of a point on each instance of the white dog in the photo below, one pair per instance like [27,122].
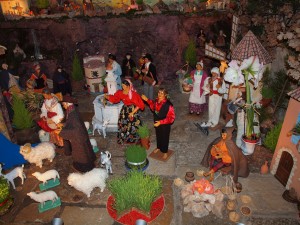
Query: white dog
[44,150]
[48,175]
[43,197]
[44,136]
[100,126]
[105,160]
[88,181]
[16,172]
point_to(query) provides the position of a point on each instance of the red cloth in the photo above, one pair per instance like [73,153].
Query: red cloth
[130,218]
[51,114]
[43,124]
[135,100]
[157,106]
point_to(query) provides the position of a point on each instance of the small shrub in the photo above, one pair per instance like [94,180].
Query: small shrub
[135,153]
[272,137]
[139,2]
[4,189]
[77,72]
[257,30]
[143,131]
[22,118]
[6,199]
[135,189]
[190,54]
[42,4]
[267,92]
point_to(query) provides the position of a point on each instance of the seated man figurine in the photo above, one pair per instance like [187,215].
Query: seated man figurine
[37,81]
[219,156]
[223,152]
[51,116]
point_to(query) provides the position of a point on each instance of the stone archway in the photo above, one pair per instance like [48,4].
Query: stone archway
[277,164]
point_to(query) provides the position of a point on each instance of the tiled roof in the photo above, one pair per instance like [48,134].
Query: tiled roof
[250,46]
[295,94]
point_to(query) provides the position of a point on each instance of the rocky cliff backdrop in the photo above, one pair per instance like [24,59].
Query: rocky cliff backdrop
[164,36]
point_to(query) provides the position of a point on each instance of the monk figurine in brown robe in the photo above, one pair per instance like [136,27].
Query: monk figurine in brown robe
[223,152]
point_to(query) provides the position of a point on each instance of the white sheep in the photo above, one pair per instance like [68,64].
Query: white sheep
[43,197]
[88,181]
[16,172]
[44,150]
[44,177]
[44,136]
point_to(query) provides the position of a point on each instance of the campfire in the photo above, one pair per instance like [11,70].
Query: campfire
[200,198]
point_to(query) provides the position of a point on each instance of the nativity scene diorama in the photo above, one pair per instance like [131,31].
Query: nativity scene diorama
[106,119]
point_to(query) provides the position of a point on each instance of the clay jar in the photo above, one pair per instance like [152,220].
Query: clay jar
[264,168]
[189,176]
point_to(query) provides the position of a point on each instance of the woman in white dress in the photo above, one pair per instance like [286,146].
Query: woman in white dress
[197,100]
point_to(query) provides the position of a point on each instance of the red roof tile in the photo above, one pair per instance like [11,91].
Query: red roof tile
[250,46]
[295,94]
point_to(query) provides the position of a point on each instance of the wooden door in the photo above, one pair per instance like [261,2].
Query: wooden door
[96,87]
[284,168]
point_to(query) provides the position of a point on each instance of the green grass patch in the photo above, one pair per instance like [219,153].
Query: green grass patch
[135,189]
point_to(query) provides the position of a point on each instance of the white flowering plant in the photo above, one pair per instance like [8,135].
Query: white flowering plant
[249,70]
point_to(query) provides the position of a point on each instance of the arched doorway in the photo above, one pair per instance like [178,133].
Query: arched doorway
[284,169]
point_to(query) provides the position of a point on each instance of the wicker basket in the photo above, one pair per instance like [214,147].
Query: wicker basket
[231,205]
[234,216]
[186,87]
[245,199]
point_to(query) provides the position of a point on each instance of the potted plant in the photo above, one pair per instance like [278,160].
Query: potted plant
[6,200]
[135,196]
[136,157]
[249,70]
[144,133]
